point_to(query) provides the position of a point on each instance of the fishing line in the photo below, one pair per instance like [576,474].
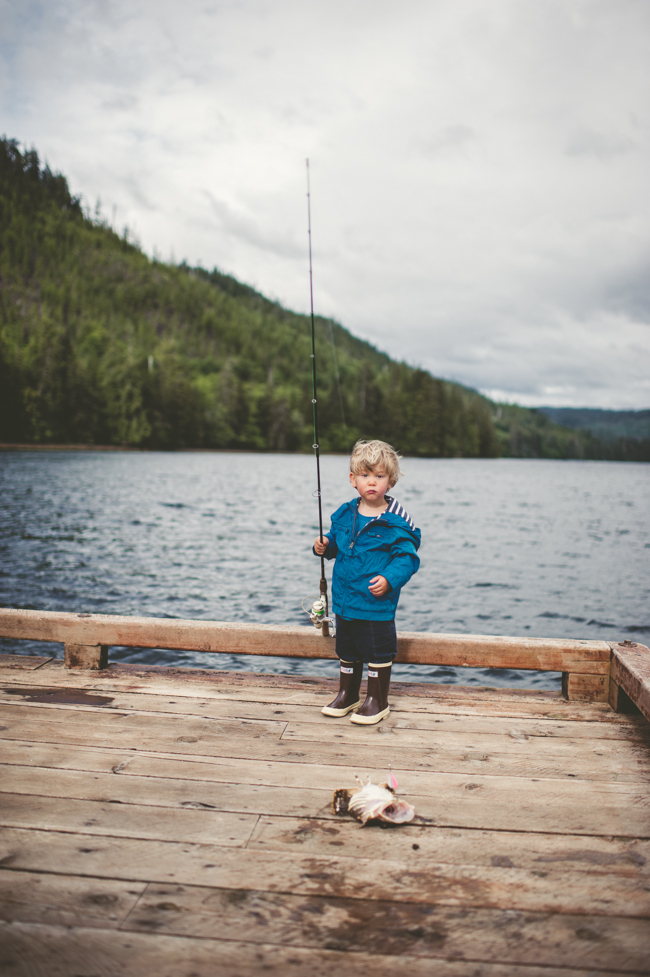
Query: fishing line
[320,608]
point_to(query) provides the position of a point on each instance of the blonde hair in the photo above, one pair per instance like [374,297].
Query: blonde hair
[368,455]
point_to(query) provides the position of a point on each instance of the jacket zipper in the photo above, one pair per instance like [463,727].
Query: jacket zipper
[354,522]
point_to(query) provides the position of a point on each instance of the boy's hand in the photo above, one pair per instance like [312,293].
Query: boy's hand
[378,586]
[321,547]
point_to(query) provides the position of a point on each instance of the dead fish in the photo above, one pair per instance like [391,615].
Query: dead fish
[373,802]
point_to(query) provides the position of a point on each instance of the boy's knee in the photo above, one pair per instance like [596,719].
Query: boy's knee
[350,657]
[381,659]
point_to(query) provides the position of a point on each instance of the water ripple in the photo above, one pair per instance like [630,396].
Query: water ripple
[556,549]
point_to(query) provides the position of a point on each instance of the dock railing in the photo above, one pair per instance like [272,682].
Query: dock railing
[593,671]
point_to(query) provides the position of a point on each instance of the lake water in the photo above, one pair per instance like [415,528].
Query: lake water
[511,547]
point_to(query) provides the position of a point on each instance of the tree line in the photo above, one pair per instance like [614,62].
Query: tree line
[99,344]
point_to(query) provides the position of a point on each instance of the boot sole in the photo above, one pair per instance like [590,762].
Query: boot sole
[337,713]
[369,720]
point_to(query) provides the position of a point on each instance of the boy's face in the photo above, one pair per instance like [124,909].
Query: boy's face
[371,485]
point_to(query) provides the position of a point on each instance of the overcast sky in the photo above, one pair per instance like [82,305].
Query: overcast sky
[480,168]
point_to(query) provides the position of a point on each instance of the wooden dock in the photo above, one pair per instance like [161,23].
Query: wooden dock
[177,822]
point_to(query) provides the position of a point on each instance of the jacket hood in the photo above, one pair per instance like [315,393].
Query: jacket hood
[395,514]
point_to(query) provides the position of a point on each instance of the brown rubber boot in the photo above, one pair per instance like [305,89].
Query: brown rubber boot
[349,685]
[375,708]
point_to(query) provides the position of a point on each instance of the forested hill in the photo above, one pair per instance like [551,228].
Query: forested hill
[101,345]
[610,425]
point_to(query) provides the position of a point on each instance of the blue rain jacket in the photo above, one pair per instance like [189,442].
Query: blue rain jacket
[387,545]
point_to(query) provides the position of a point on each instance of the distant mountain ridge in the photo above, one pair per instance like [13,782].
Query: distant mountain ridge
[101,345]
[607,424]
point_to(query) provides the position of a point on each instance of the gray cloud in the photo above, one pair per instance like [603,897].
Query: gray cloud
[629,292]
[453,139]
[123,102]
[244,228]
[586,142]
[479,170]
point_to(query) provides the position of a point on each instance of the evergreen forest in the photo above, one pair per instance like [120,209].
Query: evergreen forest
[101,345]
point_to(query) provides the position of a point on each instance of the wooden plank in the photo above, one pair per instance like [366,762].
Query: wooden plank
[530,864]
[134,729]
[66,900]
[414,728]
[615,762]
[448,799]
[631,672]
[29,950]
[227,708]
[468,759]
[555,806]
[257,687]
[163,680]
[128,821]
[414,783]
[101,759]
[355,926]
[512,738]
[470,846]
[477,651]
[428,882]
[26,662]
[460,846]
[499,725]
[165,792]
[487,651]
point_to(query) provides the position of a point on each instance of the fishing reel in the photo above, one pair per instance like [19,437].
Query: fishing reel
[317,614]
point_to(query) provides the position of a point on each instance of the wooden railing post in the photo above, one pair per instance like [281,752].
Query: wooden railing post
[583,687]
[86,656]
[630,683]
[620,701]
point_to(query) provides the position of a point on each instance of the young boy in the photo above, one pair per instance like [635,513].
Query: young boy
[375,544]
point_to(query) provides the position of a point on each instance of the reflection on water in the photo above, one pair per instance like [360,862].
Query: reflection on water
[514,547]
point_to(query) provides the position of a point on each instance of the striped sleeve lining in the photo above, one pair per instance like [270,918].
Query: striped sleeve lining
[399,510]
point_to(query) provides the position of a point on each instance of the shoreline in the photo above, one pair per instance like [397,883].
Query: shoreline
[7,447]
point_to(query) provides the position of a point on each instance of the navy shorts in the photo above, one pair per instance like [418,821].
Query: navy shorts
[366,641]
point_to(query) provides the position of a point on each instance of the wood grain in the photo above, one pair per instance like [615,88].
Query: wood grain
[631,672]
[455,800]
[398,928]
[111,817]
[480,846]
[428,882]
[585,688]
[86,656]
[401,717]
[66,900]
[476,651]
[461,846]
[612,761]
[26,662]
[620,700]
[510,738]
[165,792]
[192,683]
[172,820]
[29,950]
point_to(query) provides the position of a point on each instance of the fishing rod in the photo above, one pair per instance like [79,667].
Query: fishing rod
[320,608]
